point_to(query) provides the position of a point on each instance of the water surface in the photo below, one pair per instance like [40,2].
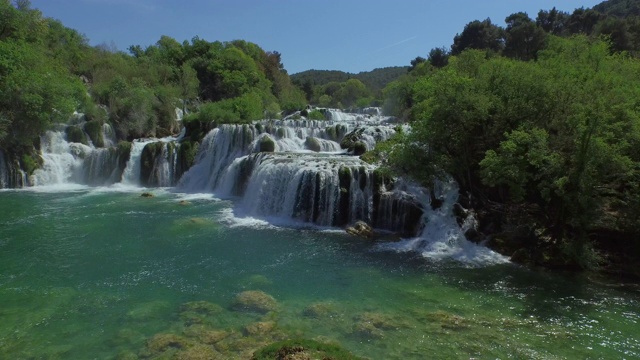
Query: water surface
[98,273]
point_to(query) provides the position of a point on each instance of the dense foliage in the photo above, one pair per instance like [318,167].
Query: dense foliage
[542,132]
[48,71]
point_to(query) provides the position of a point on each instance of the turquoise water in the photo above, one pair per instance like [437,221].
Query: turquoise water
[99,274]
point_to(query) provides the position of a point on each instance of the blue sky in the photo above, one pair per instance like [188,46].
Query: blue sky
[348,35]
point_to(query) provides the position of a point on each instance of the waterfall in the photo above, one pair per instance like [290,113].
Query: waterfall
[62,161]
[102,167]
[441,237]
[131,175]
[159,164]
[304,187]
[4,171]
[109,135]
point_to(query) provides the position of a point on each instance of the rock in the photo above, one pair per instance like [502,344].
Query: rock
[359,148]
[302,349]
[164,342]
[313,144]
[202,307]
[521,256]
[76,135]
[460,213]
[184,202]
[205,334]
[320,310]
[147,195]
[259,328]
[255,301]
[199,312]
[380,321]
[198,352]
[360,229]
[473,235]
[267,144]
[367,330]
[448,320]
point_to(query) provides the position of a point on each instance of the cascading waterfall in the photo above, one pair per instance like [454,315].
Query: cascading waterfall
[441,237]
[4,171]
[277,169]
[62,161]
[102,167]
[131,175]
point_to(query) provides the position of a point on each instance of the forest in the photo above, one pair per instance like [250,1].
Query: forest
[538,122]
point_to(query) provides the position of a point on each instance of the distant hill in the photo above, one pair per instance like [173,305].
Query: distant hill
[375,79]
[619,8]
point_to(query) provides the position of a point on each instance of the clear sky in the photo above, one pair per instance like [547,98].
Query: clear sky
[348,35]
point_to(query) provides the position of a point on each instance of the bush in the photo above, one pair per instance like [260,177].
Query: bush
[316,115]
[76,135]
[93,128]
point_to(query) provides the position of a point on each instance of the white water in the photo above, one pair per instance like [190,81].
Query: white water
[131,175]
[299,182]
[441,237]
[62,161]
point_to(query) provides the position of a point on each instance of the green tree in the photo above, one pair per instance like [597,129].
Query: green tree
[523,37]
[479,35]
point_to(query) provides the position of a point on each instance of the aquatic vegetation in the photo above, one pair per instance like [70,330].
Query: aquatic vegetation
[255,301]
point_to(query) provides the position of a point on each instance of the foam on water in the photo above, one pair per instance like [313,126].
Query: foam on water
[442,238]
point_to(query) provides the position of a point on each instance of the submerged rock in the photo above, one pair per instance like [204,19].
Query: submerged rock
[320,310]
[147,195]
[201,307]
[255,301]
[361,229]
[199,352]
[205,334]
[303,349]
[199,312]
[259,328]
[164,344]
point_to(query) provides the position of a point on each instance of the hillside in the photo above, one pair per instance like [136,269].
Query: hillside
[375,79]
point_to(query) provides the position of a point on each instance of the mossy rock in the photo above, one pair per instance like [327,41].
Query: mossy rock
[205,334]
[202,307]
[367,331]
[448,320]
[76,135]
[93,128]
[198,352]
[267,144]
[381,321]
[303,349]
[187,153]
[165,345]
[255,301]
[199,312]
[359,148]
[123,151]
[260,328]
[320,310]
[313,144]
[30,162]
[148,158]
